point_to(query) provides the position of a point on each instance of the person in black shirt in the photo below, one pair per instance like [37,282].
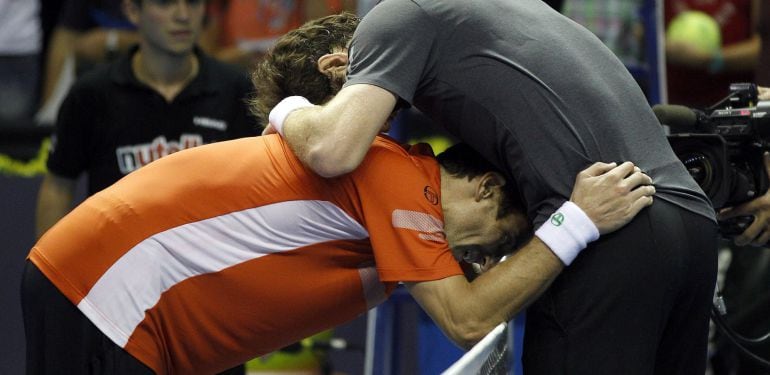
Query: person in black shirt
[164,96]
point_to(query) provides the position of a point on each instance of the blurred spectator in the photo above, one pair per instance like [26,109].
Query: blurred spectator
[698,79]
[20,48]
[615,22]
[88,32]
[762,71]
[239,31]
[164,96]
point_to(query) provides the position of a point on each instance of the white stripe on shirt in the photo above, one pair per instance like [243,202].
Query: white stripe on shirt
[118,301]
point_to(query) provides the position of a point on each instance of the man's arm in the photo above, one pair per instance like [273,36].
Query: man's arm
[96,45]
[466,311]
[333,139]
[54,200]
[62,44]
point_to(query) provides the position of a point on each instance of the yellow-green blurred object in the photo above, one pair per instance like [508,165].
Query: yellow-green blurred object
[30,168]
[438,143]
[697,29]
[309,357]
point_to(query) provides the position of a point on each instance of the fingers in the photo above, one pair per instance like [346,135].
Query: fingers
[749,235]
[642,202]
[597,169]
[637,179]
[726,213]
[641,197]
[629,176]
[746,209]
[269,129]
[757,233]
[731,212]
[764,93]
[623,170]
[642,191]
[620,171]
[762,239]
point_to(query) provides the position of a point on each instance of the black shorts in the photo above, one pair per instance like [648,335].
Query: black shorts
[634,302]
[61,340]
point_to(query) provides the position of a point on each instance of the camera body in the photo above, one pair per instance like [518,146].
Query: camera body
[722,150]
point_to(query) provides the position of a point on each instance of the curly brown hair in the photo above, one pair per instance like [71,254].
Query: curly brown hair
[291,68]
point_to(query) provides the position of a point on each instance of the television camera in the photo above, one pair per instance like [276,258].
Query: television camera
[722,148]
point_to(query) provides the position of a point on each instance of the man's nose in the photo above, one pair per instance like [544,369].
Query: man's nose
[182,10]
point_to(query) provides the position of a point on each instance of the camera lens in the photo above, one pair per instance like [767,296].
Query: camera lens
[700,168]
[704,157]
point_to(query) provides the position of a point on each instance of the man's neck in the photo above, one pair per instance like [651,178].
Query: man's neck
[164,73]
[447,184]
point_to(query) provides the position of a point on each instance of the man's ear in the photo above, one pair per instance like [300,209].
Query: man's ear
[131,10]
[332,63]
[489,185]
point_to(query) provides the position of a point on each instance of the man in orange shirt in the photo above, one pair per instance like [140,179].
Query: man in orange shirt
[214,255]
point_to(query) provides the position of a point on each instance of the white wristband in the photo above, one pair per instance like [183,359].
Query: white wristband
[281,111]
[567,232]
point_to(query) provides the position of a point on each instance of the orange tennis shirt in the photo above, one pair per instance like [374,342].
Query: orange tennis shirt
[215,255]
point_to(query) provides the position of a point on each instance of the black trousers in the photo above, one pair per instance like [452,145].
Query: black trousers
[61,340]
[634,302]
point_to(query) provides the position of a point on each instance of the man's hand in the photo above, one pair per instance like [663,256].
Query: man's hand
[612,195]
[686,54]
[764,93]
[758,233]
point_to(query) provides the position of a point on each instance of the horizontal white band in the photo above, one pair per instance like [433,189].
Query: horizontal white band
[567,232]
[289,104]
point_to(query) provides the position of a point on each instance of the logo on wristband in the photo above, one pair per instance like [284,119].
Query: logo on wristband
[557,219]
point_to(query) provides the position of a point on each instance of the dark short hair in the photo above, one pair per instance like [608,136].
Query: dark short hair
[291,66]
[461,160]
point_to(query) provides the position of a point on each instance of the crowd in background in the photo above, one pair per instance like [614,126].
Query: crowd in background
[45,44]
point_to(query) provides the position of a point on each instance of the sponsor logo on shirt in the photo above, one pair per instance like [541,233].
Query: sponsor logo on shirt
[431,195]
[211,123]
[133,157]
